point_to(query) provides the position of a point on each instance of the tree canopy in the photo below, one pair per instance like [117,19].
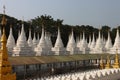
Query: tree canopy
[51,25]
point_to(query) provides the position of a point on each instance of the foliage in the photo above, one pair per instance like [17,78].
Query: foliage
[52,25]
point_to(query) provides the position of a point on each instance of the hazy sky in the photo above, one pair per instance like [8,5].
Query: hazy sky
[74,12]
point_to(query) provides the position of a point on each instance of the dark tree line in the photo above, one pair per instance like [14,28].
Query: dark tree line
[52,25]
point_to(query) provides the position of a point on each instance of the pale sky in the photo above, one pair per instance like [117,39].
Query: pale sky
[74,12]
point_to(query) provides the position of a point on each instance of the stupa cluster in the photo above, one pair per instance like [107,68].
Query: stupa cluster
[104,74]
[43,46]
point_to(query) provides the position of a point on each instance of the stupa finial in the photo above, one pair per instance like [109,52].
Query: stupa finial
[4,21]
[4,9]
[3,37]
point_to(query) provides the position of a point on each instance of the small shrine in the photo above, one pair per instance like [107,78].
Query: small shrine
[101,63]
[108,64]
[116,63]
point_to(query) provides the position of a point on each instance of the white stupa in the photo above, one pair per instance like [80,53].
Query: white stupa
[103,40]
[79,41]
[34,41]
[99,47]
[42,47]
[58,48]
[22,48]
[93,43]
[48,40]
[29,41]
[84,46]
[116,44]
[49,43]
[108,44]
[117,40]
[10,42]
[71,46]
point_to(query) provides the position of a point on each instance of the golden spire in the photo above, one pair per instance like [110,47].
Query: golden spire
[5,66]
[116,63]
[3,40]
[108,65]
[101,63]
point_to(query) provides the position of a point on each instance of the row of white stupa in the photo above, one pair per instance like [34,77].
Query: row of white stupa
[104,74]
[34,47]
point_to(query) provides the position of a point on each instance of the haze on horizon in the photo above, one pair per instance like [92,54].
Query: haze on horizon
[74,12]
